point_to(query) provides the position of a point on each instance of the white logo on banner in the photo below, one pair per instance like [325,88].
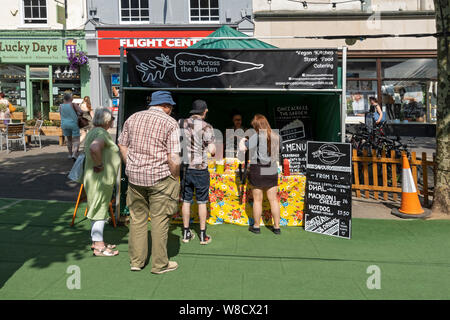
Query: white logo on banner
[191,63]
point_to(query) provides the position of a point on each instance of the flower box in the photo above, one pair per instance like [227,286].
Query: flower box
[54,116]
[22,116]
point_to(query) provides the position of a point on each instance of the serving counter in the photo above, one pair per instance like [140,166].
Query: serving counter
[225,205]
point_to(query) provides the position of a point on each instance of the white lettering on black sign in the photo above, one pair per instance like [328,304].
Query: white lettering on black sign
[328,189]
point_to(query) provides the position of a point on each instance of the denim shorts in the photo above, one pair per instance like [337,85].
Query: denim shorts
[71,132]
[197,180]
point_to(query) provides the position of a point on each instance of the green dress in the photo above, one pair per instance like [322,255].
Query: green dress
[99,186]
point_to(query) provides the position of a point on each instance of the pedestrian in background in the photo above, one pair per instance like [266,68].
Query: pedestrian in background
[100,173]
[69,125]
[263,176]
[88,114]
[5,112]
[149,146]
[199,139]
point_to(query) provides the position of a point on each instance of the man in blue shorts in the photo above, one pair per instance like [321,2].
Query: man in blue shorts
[199,139]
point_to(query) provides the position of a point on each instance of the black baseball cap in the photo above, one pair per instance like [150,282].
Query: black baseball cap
[198,107]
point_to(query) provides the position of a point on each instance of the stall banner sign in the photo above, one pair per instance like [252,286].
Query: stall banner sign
[328,203]
[219,68]
[294,125]
[155,39]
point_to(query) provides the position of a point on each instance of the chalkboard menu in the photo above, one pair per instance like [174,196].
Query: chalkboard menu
[294,125]
[328,204]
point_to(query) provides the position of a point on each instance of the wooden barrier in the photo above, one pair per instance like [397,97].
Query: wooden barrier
[390,179]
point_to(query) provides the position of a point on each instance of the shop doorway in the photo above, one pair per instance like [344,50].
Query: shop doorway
[40,99]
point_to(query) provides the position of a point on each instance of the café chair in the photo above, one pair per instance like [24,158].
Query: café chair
[37,132]
[15,132]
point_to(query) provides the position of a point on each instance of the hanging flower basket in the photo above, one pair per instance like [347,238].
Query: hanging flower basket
[77,59]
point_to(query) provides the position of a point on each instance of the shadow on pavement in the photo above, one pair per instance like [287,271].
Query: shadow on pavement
[37,176]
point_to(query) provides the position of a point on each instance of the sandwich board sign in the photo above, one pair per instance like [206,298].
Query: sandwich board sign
[328,199]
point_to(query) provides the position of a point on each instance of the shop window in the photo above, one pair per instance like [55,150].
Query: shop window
[410,101]
[12,84]
[65,80]
[35,11]
[358,93]
[409,89]
[204,10]
[134,10]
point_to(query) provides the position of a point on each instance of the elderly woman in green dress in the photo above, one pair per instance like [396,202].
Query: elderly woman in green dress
[100,172]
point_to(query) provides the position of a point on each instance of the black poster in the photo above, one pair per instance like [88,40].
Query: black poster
[328,201]
[219,68]
[295,152]
[294,125]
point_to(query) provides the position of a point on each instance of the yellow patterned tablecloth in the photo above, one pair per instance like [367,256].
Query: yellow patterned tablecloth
[224,206]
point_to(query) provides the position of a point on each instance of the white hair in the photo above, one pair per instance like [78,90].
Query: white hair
[101,117]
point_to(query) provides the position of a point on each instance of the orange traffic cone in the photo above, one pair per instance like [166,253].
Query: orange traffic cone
[410,206]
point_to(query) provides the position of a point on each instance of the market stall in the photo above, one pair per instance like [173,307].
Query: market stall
[299,91]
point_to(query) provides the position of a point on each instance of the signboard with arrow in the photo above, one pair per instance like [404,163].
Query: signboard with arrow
[328,204]
[213,68]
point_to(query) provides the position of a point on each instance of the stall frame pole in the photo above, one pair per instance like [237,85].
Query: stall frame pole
[344,93]
[118,132]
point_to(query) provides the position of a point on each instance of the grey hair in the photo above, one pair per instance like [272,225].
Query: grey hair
[67,96]
[101,117]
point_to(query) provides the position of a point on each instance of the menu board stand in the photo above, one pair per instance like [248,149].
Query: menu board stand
[328,200]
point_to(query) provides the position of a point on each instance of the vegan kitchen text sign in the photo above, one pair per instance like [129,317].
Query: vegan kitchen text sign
[25,50]
[214,68]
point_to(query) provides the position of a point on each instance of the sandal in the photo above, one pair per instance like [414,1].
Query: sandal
[108,246]
[105,252]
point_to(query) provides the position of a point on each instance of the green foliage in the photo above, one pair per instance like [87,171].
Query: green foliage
[31,122]
[20,109]
[54,108]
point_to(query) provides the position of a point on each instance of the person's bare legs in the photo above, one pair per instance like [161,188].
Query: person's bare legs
[69,145]
[76,146]
[83,133]
[186,212]
[272,196]
[258,196]
[202,212]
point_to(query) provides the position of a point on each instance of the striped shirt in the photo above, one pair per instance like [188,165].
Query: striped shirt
[150,136]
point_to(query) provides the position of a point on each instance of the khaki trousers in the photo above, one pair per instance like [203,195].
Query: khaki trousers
[159,202]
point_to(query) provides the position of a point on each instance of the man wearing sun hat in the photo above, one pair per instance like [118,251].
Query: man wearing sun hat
[149,146]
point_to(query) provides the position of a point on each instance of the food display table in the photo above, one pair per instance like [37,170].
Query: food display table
[225,207]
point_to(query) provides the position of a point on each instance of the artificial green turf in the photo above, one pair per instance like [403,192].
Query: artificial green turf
[38,245]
